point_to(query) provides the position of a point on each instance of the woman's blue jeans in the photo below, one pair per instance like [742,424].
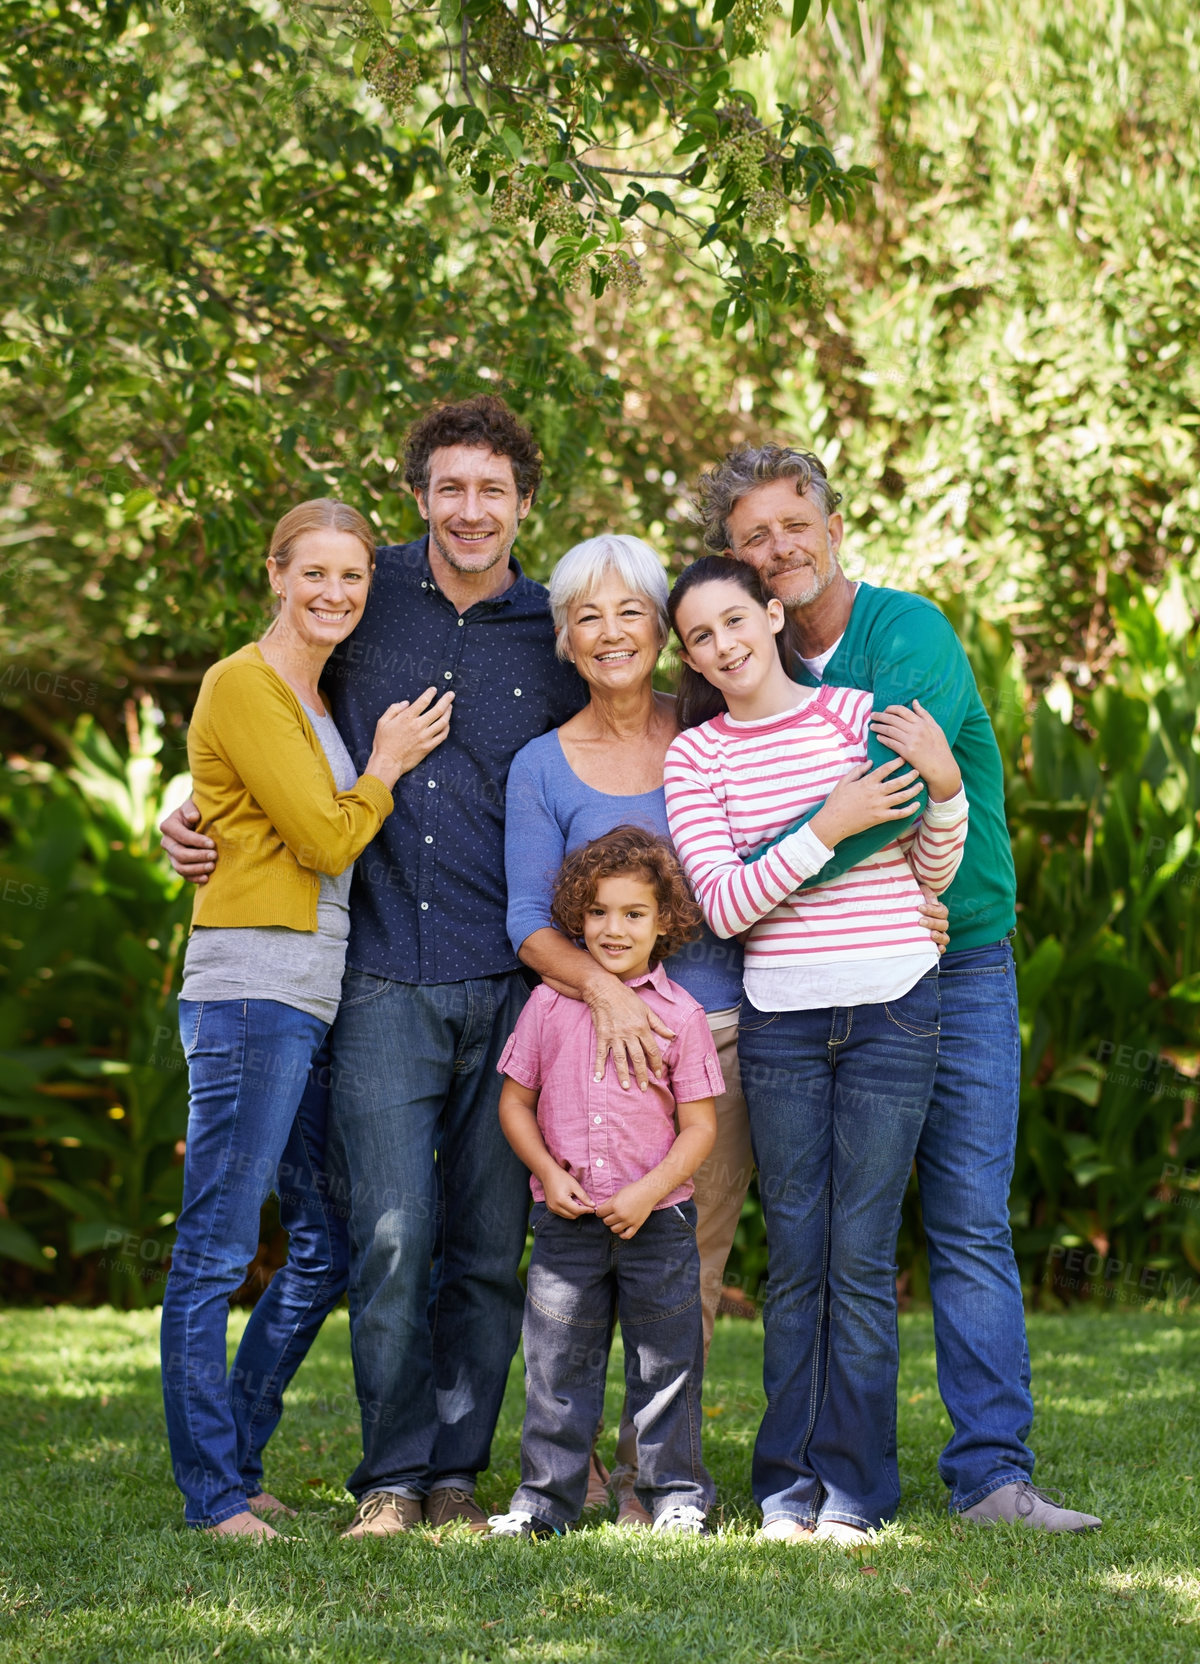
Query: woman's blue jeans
[256,1123]
[837,1100]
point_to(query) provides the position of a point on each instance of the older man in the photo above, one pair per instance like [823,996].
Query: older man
[774,507]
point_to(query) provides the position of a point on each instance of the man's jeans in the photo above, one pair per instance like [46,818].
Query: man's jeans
[964,1168]
[837,1101]
[257,1121]
[581,1277]
[429,1177]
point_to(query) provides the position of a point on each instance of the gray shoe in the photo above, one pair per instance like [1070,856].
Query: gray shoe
[1028,1505]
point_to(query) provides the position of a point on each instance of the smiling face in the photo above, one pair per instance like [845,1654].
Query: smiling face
[322,589]
[614,637]
[472,506]
[620,923]
[787,540]
[729,638]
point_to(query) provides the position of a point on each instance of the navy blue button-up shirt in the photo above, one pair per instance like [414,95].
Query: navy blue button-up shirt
[428,900]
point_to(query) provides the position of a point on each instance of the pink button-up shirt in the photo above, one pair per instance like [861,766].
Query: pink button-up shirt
[607,1136]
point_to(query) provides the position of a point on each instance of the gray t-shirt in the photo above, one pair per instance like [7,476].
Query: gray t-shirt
[271,962]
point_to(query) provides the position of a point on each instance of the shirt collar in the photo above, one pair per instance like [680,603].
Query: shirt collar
[414,561]
[658,979]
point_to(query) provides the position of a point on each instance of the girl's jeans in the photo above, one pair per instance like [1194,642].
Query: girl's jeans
[837,1101]
[581,1277]
[256,1123]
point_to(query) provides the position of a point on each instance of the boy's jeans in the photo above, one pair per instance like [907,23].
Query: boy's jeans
[964,1170]
[837,1101]
[581,1276]
[438,1205]
[256,1122]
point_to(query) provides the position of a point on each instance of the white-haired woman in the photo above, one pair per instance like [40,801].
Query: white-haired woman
[602,769]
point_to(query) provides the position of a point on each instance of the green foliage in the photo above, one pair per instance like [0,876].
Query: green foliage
[1103,805]
[1008,373]
[225,289]
[245,244]
[93,1101]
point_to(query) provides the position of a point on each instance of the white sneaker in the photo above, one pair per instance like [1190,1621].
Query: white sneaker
[681,1520]
[520,1524]
[837,1531]
[786,1531]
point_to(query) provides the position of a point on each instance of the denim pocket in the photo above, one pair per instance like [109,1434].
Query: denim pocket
[919,1012]
[360,986]
[753,1021]
[190,1013]
[687,1224]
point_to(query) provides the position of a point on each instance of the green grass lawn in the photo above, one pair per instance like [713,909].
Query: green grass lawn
[96,1565]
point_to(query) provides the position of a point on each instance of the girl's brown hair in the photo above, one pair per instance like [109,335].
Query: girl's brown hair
[628,849]
[322,514]
[697,700]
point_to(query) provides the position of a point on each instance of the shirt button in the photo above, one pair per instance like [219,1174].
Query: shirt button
[431,784]
[517,691]
[461,622]
[449,675]
[599,1161]
[428,839]
[599,1119]
[424,907]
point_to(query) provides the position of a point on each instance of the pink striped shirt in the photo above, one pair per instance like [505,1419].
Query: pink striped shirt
[732,787]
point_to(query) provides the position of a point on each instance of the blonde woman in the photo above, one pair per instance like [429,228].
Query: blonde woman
[277,792]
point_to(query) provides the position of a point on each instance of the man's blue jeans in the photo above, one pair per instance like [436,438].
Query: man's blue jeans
[438,1205]
[964,1169]
[256,1122]
[581,1277]
[837,1100]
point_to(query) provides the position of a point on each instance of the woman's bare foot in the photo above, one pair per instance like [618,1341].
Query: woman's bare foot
[264,1505]
[241,1525]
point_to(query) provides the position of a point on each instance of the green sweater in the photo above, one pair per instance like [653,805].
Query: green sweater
[900,647]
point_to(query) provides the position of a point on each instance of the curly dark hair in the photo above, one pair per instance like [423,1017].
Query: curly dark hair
[626,849]
[484,420]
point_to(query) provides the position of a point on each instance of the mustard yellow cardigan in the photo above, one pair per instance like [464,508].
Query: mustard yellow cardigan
[268,799]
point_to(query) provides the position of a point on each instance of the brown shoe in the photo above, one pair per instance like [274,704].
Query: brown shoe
[630,1512]
[447,1505]
[597,1487]
[383,1514]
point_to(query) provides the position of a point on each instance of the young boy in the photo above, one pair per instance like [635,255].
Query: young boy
[613,1224]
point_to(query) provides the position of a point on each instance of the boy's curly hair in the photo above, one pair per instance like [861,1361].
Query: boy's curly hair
[625,849]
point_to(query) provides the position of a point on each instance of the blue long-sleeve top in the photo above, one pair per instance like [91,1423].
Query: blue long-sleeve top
[550,811]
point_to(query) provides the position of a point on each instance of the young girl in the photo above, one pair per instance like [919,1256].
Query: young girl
[614,1229]
[839,1032]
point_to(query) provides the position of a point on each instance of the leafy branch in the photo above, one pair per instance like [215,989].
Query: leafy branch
[540,106]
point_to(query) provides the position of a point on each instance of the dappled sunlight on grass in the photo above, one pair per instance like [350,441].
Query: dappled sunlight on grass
[97,1566]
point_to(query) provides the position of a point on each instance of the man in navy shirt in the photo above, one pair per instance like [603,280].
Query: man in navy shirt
[438,1203]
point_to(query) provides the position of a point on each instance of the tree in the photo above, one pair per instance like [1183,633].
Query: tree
[245,244]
